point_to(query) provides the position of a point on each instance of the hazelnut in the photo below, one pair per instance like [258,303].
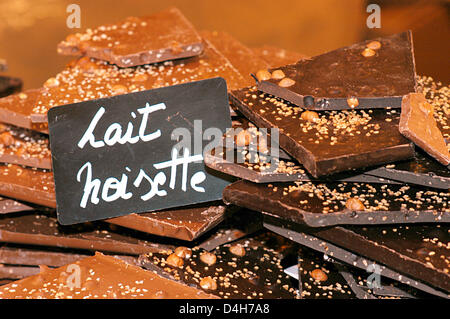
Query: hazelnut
[374,45]
[22,96]
[368,52]
[319,275]
[278,75]
[183,252]
[174,260]
[208,258]
[237,250]
[286,82]
[263,75]
[354,204]
[50,83]
[208,283]
[141,77]
[243,138]
[352,102]
[6,139]
[310,116]
[119,89]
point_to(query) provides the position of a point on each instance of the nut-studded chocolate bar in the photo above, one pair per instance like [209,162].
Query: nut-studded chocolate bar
[331,141]
[370,74]
[9,85]
[164,36]
[337,203]
[101,277]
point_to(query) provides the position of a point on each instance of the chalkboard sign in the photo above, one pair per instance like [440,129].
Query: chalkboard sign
[137,152]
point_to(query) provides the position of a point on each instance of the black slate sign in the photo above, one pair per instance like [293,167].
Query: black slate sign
[137,152]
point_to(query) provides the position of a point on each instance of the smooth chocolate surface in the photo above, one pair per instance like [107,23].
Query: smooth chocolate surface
[276,57]
[9,85]
[163,36]
[337,141]
[8,206]
[101,277]
[24,147]
[324,204]
[417,123]
[17,272]
[327,81]
[185,223]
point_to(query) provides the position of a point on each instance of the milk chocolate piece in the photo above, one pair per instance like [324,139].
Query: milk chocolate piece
[102,277]
[338,141]
[8,206]
[276,57]
[345,78]
[17,272]
[24,147]
[17,109]
[9,85]
[417,123]
[38,228]
[27,184]
[341,253]
[240,56]
[185,223]
[257,274]
[318,204]
[163,36]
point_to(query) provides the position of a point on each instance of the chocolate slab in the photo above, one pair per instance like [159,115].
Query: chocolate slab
[8,206]
[17,109]
[417,123]
[185,223]
[17,272]
[293,232]
[378,79]
[24,147]
[317,204]
[240,56]
[276,57]
[104,80]
[27,184]
[101,277]
[336,141]
[163,36]
[9,85]
[38,228]
[255,275]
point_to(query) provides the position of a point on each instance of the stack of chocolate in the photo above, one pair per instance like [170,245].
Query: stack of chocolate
[348,197]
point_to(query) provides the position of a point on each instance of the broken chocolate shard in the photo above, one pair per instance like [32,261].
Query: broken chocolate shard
[336,141]
[101,277]
[417,123]
[362,261]
[186,223]
[325,204]
[24,147]
[9,85]
[17,272]
[346,78]
[8,206]
[164,36]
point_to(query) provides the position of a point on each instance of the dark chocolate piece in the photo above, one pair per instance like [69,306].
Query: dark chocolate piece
[185,223]
[317,204]
[101,277]
[9,85]
[276,57]
[24,147]
[417,123]
[300,236]
[370,74]
[163,36]
[242,270]
[37,228]
[334,141]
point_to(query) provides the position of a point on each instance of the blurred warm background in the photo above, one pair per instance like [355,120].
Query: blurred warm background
[31,29]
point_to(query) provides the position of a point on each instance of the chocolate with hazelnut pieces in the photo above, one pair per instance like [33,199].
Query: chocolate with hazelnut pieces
[163,36]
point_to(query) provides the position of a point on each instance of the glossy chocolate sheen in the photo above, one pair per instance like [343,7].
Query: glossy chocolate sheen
[101,277]
[37,228]
[9,85]
[338,141]
[360,261]
[181,223]
[17,109]
[276,57]
[328,80]
[318,204]
[24,147]
[166,35]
